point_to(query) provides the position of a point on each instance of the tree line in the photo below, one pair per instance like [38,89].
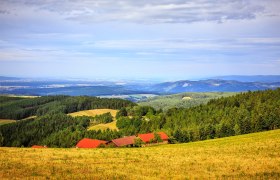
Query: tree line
[227,116]
[20,108]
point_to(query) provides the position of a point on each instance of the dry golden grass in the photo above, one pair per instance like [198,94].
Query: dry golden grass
[253,156]
[30,117]
[186,98]
[6,121]
[22,96]
[111,125]
[95,112]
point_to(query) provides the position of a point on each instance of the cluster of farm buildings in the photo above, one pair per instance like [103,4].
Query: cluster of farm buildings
[146,139]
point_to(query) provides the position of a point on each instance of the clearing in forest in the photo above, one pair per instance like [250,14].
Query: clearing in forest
[94,112]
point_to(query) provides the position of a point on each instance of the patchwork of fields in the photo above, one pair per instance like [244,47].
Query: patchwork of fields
[252,156]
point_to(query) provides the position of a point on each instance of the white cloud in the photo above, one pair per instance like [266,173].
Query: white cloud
[163,11]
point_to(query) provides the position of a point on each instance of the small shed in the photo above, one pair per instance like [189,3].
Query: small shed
[125,141]
[90,143]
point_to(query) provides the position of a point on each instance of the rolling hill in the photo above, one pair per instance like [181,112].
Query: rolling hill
[182,100]
[19,108]
[251,156]
[242,113]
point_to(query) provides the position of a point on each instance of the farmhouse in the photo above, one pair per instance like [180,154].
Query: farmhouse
[149,137]
[125,141]
[90,143]
[37,146]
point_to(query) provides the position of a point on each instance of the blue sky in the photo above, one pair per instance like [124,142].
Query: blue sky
[152,39]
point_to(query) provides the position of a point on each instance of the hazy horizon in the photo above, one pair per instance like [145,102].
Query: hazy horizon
[124,39]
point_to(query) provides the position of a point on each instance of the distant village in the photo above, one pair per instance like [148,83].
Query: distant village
[141,140]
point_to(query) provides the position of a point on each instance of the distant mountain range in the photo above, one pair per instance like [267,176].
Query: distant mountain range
[258,78]
[39,87]
[211,85]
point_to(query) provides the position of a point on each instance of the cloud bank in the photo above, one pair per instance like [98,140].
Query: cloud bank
[147,11]
[139,37]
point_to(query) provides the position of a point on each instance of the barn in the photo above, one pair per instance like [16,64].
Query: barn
[147,138]
[121,142]
[90,143]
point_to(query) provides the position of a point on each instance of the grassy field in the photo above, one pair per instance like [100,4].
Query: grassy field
[252,156]
[21,96]
[111,125]
[183,100]
[95,112]
[6,121]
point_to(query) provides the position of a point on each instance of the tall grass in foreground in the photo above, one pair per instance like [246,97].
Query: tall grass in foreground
[251,156]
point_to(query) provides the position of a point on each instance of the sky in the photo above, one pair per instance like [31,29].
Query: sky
[149,39]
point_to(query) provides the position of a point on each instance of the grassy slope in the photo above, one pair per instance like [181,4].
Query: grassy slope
[241,157]
[95,112]
[184,100]
[6,121]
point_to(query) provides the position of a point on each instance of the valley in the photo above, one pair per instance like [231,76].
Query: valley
[132,90]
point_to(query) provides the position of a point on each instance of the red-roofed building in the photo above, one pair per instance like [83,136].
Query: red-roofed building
[37,146]
[147,138]
[163,136]
[125,141]
[90,143]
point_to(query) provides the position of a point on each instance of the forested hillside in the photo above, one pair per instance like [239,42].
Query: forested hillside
[20,108]
[183,100]
[240,114]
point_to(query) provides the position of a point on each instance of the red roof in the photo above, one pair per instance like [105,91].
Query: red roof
[163,136]
[37,146]
[149,136]
[90,143]
[124,141]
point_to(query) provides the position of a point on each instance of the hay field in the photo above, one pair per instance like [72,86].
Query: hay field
[111,125]
[253,156]
[94,112]
[6,121]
